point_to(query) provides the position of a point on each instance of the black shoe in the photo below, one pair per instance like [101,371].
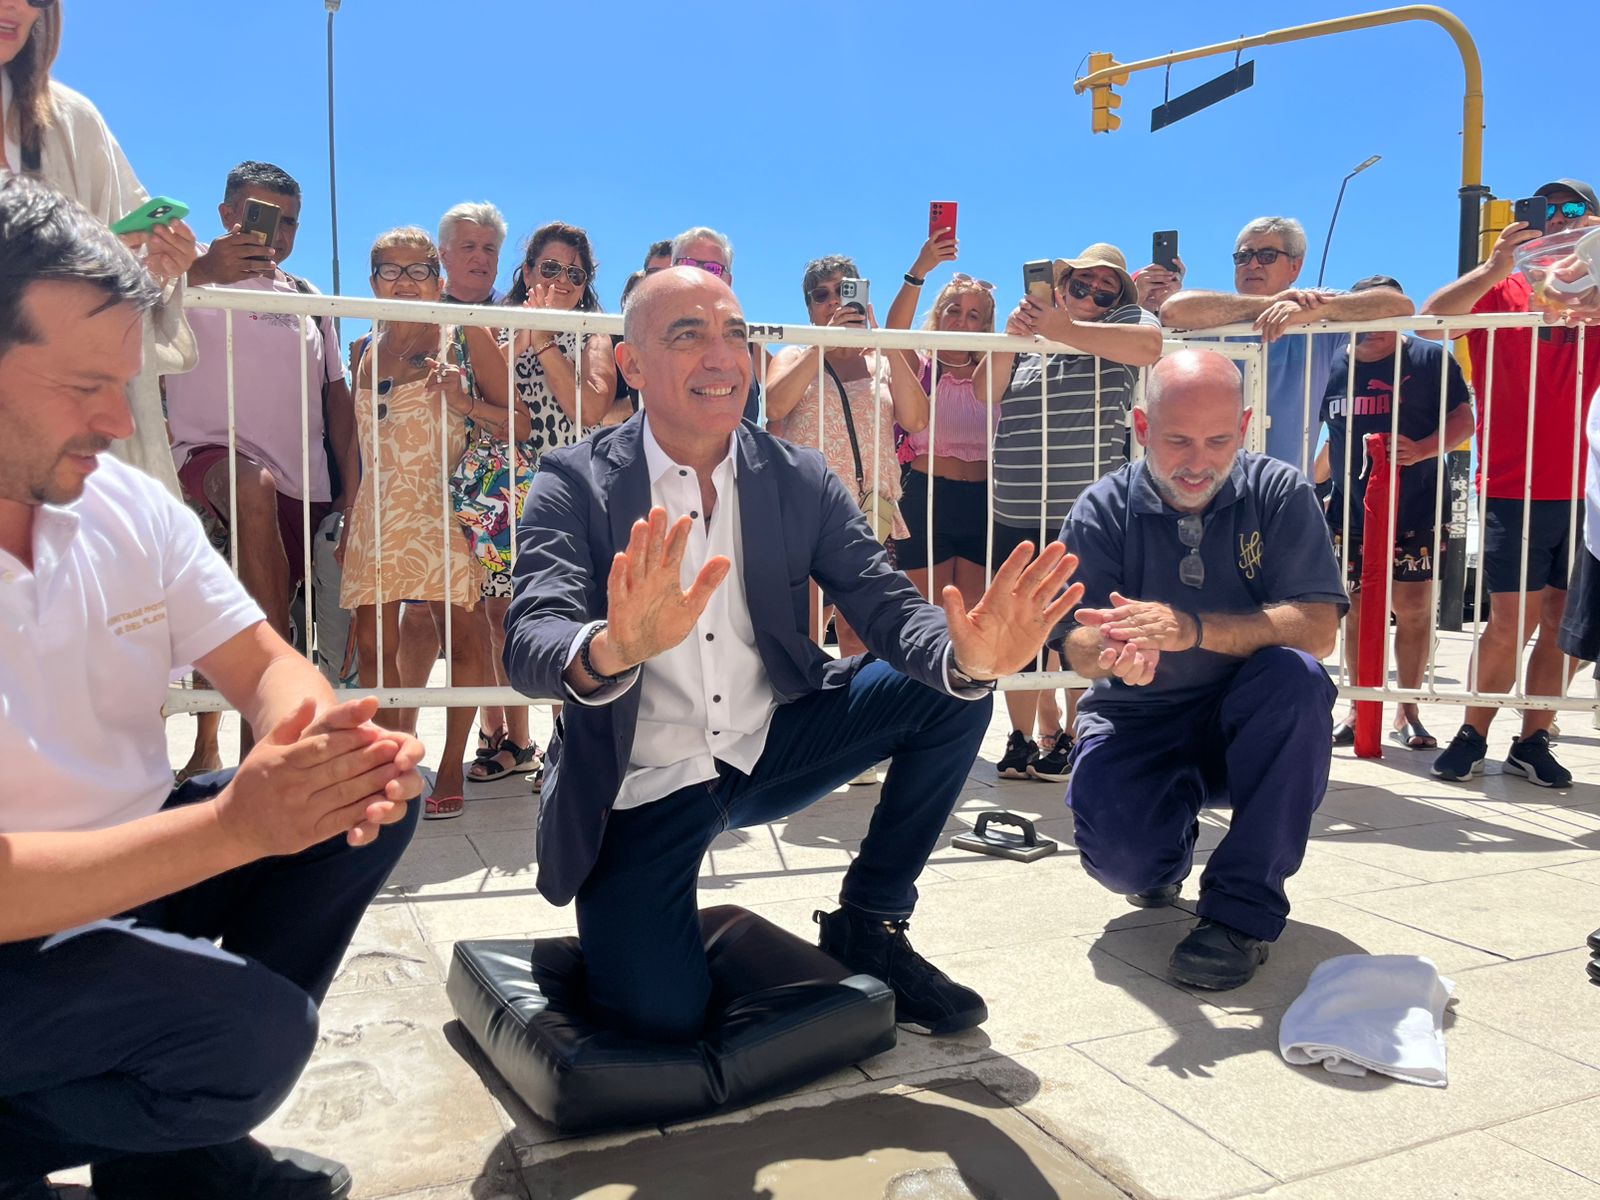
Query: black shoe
[1020,751]
[1216,956]
[1532,759]
[1161,897]
[1054,764]
[241,1170]
[1594,942]
[1463,757]
[926,1000]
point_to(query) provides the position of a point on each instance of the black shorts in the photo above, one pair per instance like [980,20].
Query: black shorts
[1580,624]
[1006,539]
[960,520]
[1549,536]
[1413,557]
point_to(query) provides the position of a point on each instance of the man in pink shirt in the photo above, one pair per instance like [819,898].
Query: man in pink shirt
[279,363]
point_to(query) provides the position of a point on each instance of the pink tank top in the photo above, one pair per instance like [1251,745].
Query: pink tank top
[961,424]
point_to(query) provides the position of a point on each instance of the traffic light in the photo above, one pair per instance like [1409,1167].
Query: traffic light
[1104,120]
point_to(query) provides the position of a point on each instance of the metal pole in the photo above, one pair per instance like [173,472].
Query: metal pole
[333,186]
[1334,220]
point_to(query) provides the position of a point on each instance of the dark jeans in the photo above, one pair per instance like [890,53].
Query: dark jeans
[1263,743]
[139,1035]
[637,913]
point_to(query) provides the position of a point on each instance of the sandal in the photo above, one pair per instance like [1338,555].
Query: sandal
[1413,736]
[442,808]
[1344,733]
[487,768]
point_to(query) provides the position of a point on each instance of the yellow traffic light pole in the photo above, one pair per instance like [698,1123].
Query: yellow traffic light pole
[1105,71]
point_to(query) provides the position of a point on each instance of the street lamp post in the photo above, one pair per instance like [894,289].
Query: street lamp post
[1328,241]
[333,187]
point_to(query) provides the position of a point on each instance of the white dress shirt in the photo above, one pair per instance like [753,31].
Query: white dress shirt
[708,699]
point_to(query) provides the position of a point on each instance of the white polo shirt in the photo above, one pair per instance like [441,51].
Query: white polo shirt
[125,593]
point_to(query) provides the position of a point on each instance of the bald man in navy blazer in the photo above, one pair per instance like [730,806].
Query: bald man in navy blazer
[661,591]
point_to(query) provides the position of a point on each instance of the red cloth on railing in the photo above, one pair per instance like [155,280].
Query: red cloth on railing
[1377,561]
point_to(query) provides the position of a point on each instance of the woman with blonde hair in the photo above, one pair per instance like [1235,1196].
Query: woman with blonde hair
[53,133]
[403,539]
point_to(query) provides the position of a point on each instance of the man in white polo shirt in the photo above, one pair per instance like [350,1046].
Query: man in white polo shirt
[162,953]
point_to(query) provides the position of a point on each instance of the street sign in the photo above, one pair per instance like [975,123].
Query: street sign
[1230,83]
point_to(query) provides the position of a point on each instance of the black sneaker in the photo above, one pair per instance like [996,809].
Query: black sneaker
[1216,957]
[241,1170]
[1054,764]
[926,1000]
[1020,751]
[1463,757]
[1531,758]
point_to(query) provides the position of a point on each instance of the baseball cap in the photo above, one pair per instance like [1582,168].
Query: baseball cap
[1376,281]
[1576,186]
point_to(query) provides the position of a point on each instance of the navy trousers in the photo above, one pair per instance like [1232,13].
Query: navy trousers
[140,1035]
[1263,743]
[637,913]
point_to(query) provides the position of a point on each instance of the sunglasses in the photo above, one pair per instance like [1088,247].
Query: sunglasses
[1570,209]
[1077,289]
[1191,568]
[958,277]
[549,268]
[705,264]
[41,3]
[421,272]
[1265,257]
[821,294]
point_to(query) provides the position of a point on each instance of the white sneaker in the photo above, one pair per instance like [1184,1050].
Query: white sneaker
[867,778]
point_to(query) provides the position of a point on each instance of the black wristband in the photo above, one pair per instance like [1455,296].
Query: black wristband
[1199,630]
[587,663]
[913,280]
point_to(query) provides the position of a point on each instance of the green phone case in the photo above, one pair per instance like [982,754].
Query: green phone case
[159,210]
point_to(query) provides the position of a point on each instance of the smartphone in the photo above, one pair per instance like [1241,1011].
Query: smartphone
[853,294]
[162,210]
[1038,281]
[1533,210]
[1164,249]
[261,219]
[942,215]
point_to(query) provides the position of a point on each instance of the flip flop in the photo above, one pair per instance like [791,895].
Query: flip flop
[1414,737]
[1344,734]
[442,808]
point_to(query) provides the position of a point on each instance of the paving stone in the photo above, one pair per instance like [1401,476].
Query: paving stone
[1564,1135]
[1458,848]
[1548,1001]
[386,952]
[1492,912]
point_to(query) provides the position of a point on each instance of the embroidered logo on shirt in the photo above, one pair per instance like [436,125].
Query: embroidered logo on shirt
[1250,554]
[125,623]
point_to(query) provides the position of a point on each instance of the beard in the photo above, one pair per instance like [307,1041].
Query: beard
[61,482]
[1185,501]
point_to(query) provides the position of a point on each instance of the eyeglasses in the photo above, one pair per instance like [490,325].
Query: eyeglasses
[1191,567]
[421,272]
[1570,209]
[1265,257]
[821,294]
[958,277]
[705,264]
[1077,289]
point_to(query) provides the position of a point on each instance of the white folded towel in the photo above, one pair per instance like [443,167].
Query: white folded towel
[1371,1012]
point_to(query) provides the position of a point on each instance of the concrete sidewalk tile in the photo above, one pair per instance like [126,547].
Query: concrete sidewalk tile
[1564,1136]
[1471,1166]
[1493,912]
[386,1093]
[1548,1001]
[1323,875]
[387,951]
[510,855]
[1225,1076]
[1457,848]
[1318,930]
[1587,871]
[437,863]
[489,915]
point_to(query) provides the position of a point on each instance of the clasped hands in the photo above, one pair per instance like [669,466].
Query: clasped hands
[1134,633]
[1292,306]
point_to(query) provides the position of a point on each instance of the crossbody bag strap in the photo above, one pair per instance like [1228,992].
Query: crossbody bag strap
[849,428]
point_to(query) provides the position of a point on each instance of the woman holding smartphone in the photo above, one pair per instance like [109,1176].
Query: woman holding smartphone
[53,133]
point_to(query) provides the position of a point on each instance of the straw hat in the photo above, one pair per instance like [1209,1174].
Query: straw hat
[1100,254]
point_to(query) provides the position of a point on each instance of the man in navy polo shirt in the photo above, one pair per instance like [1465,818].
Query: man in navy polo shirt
[1211,592]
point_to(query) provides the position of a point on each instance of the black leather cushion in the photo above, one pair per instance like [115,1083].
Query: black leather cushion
[784,1014]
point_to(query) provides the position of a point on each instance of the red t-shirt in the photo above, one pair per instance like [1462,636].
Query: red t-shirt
[1557,420]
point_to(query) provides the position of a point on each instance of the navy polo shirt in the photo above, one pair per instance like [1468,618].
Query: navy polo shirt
[1265,542]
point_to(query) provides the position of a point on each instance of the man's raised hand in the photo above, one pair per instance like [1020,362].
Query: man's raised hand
[1142,624]
[1004,630]
[648,612]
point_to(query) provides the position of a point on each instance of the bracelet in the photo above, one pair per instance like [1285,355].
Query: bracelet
[913,280]
[1199,630]
[587,663]
[538,350]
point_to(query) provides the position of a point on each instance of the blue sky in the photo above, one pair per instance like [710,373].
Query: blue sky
[818,128]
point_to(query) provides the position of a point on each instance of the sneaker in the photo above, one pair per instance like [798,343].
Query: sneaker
[1055,763]
[241,1170]
[1216,957]
[867,778]
[1020,751]
[926,1000]
[1161,897]
[1531,758]
[1463,757]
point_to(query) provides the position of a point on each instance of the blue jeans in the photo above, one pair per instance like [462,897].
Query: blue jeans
[140,1035]
[637,914]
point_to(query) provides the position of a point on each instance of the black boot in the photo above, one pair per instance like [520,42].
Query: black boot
[241,1170]
[926,1000]
[1216,956]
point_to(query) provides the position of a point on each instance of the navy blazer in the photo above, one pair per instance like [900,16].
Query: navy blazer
[798,523]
